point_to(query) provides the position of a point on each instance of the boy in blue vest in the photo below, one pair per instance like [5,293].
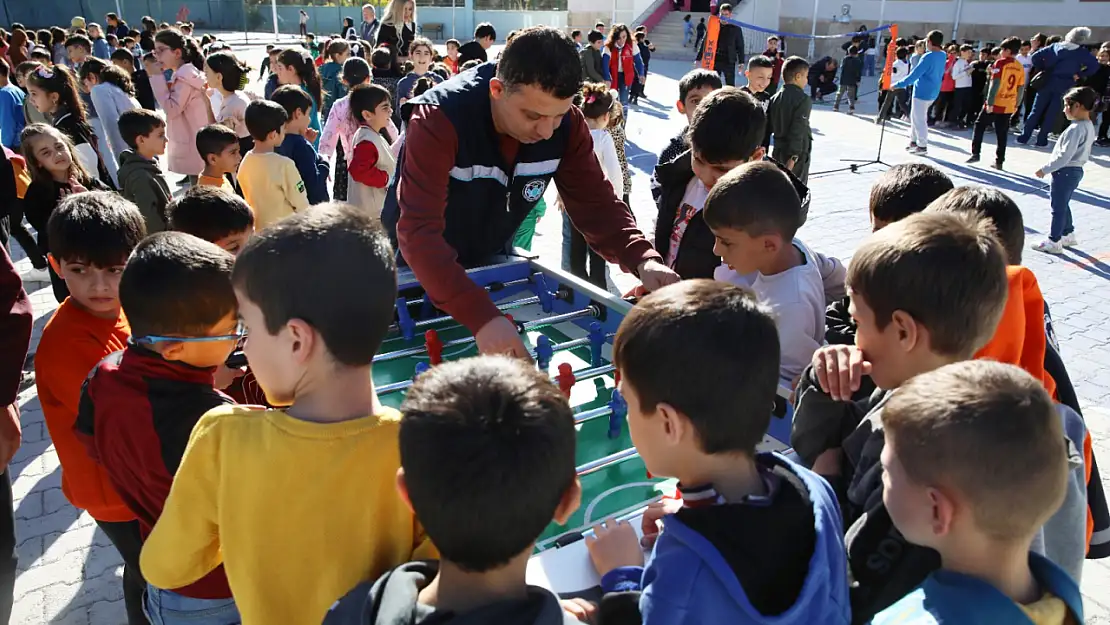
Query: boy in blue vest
[755,536]
[952,484]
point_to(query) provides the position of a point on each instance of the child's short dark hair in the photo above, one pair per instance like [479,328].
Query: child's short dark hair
[576,33]
[80,41]
[381,58]
[755,198]
[452,42]
[209,213]
[993,205]
[793,66]
[936,38]
[1013,44]
[176,284]
[853,50]
[758,61]
[485,29]
[595,36]
[990,432]
[366,98]
[264,117]
[138,123]
[967,48]
[292,98]
[902,53]
[99,228]
[906,189]
[512,427]
[123,54]
[696,79]
[279,270]
[214,139]
[1025,43]
[471,64]
[727,126]
[356,71]
[946,271]
[695,326]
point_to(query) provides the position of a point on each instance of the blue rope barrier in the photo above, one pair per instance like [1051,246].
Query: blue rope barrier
[849,35]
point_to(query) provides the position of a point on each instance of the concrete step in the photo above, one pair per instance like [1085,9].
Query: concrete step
[669,34]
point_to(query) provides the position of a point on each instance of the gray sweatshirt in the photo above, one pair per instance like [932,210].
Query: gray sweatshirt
[1073,149]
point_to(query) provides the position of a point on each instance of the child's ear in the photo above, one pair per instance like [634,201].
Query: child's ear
[54,264]
[911,333]
[172,351]
[403,489]
[681,106]
[568,503]
[758,155]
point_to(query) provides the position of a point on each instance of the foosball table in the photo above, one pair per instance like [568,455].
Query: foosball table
[569,326]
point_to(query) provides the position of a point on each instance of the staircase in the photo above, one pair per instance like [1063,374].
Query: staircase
[667,37]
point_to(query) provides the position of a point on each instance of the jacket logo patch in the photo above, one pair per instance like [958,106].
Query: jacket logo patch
[533,191]
[300,186]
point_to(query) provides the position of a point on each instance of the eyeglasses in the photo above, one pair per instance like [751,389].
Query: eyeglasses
[239,333]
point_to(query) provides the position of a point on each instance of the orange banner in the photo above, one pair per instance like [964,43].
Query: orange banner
[891,56]
[712,33]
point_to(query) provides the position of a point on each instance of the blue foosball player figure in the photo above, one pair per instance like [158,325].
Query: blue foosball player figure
[618,410]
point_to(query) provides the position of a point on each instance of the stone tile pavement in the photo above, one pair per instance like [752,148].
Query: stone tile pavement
[70,574]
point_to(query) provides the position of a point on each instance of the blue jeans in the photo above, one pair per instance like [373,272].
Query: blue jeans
[568,232]
[869,64]
[166,607]
[1046,106]
[1064,183]
[623,91]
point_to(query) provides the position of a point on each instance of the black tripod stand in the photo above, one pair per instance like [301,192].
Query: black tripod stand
[856,164]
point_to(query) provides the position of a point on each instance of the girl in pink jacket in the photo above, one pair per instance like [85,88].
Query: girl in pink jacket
[184,98]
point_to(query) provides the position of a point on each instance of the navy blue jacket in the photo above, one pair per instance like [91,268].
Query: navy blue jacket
[1063,62]
[313,169]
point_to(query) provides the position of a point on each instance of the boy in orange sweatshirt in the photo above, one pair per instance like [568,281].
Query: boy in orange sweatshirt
[95,233]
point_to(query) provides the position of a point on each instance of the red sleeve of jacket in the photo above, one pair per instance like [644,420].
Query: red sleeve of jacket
[422,197]
[16,318]
[594,207]
[364,166]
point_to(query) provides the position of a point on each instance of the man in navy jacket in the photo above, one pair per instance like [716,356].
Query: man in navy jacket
[1064,62]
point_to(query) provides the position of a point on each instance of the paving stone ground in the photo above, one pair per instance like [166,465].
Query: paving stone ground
[70,574]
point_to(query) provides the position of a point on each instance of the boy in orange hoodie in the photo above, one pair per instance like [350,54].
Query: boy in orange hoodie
[95,233]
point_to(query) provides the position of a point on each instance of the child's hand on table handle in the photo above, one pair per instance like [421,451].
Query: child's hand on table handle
[651,524]
[613,545]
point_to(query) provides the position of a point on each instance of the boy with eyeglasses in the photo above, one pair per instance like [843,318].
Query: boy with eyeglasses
[140,405]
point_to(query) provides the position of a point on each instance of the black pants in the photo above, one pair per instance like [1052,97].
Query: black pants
[12,225]
[125,536]
[727,72]
[1104,128]
[580,254]
[7,548]
[1001,123]
[820,89]
[959,112]
[941,106]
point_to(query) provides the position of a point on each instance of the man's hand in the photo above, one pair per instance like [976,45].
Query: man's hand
[655,275]
[793,160]
[614,545]
[839,369]
[500,336]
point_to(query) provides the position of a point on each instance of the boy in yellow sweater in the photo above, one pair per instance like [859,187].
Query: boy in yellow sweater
[298,503]
[271,183]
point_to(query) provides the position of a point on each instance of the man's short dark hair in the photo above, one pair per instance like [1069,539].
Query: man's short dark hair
[760,61]
[696,79]
[947,271]
[906,189]
[99,228]
[214,139]
[138,123]
[485,29]
[292,98]
[936,38]
[513,430]
[595,36]
[727,126]
[1013,44]
[694,326]
[793,66]
[757,199]
[996,207]
[264,117]
[79,41]
[209,213]
[724,7]
[176,284]
[279,272]
[542,57]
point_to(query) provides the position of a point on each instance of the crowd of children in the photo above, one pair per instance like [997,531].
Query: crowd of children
[914,385]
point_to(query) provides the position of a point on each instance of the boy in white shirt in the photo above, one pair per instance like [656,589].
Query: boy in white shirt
[961,74]
[754,212]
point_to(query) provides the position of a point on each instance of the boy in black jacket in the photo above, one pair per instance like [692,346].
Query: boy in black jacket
[512,428]
[725,132]
[123,59]
[851,71]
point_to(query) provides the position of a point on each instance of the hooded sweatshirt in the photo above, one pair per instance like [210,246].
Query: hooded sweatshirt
[185,102]
[144,183]
[777,558]
[392,600]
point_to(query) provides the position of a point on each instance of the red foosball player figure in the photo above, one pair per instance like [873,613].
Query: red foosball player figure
[434,346]
[566,378]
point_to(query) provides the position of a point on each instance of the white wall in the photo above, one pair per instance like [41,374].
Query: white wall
[1010,13]
[505,21]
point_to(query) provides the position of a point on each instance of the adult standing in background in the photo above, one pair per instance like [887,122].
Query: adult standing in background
[1062,62]
[398,27]
[116,26]
[730,48]
[368,30]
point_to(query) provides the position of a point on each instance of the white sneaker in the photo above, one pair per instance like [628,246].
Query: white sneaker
[1069,240]
[36,275]
[1049,247]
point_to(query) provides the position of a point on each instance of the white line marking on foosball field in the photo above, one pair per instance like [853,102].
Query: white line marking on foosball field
[587,518]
